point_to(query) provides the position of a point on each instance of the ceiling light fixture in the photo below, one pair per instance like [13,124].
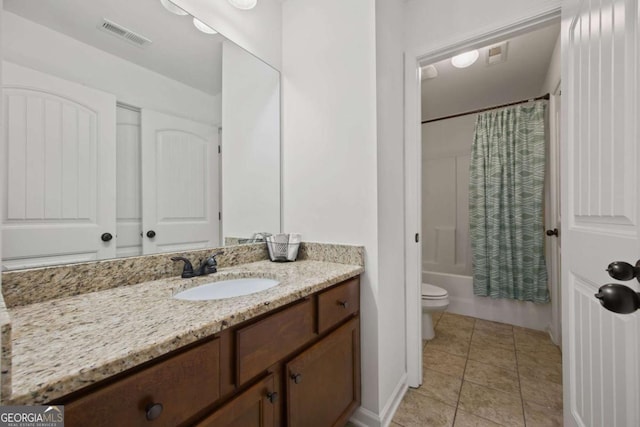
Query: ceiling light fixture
[203,27]
[466,59]
[173,8]
[244,4]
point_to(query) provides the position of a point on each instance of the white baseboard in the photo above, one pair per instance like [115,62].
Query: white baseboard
[366,418]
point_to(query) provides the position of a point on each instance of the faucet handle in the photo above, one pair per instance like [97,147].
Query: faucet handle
[187,271]
[212,261]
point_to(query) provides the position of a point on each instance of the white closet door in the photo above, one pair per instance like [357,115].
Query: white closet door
[180,184]
[59,192]
[128,182]
[600,209]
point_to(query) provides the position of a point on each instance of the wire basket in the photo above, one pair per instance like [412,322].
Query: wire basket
[281,249]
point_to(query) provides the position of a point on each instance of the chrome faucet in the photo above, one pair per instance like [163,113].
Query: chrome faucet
[208,266]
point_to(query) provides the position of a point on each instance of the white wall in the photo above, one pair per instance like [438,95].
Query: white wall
[250,144]
[343,164]
[433,24]
[553,73]
[36,46]
[391,232]
[329,142]
[258,30]
[446,153]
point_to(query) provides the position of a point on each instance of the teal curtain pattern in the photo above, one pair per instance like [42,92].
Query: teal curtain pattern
[506,191]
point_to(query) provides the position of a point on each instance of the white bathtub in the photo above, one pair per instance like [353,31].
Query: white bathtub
[460,289]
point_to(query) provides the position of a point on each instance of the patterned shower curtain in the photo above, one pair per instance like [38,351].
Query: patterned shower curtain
[506,192]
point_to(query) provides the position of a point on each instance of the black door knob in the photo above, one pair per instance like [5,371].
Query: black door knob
[553,232]
[621,270]
[153,411]
[618,298]
[151,234]
[297,378]
[106,237]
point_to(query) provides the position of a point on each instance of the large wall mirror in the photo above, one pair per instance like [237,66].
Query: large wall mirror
[131,129]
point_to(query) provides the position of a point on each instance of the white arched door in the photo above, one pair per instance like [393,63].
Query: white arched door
[600,209]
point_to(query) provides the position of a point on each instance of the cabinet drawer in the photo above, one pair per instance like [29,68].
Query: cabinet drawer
[338,303]
[267,341]
[183,385]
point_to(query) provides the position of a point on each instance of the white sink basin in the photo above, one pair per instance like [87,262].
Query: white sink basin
[226,289]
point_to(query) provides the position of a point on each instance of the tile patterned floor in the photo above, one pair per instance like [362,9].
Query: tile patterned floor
[480,373]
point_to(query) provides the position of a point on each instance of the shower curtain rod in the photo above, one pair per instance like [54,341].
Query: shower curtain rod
[482,110]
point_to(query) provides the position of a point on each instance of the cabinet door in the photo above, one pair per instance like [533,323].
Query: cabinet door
[323,385]
[254,407]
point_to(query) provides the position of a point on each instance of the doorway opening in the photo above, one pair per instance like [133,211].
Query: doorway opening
[514,64]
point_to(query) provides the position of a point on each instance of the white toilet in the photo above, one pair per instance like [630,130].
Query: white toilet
[433,299]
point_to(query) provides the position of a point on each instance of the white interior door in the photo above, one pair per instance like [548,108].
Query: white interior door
[128,182]
[600,209]
[180,183]
[59,193]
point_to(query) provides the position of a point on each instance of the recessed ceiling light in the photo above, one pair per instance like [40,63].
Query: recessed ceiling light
[244,4]
[203,27]
[466,59]
[173,8]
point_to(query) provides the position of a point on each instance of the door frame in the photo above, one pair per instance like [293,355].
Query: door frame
[413,167]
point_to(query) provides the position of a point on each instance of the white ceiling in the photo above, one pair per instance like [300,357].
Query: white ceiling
[179,51]
[480,85]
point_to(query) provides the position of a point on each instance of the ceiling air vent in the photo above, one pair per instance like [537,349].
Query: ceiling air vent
[428,72]
[497,53]
[123,33]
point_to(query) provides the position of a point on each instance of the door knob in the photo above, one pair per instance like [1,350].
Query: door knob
[106,237]
[553,232]
[151,234]
[618,298]
[297,378]
[621,270]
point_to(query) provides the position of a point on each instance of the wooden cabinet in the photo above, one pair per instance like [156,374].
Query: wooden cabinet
[298,366]
[323,382]
[255,407]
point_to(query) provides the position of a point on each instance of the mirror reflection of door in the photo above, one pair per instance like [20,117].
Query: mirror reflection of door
[180,188]
[60,164]
[128,182]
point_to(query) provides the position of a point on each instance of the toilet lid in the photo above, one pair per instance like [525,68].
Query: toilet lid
[433,292]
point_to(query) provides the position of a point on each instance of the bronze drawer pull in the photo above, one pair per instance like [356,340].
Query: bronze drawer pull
[272,396]
[297,378]
[153,411]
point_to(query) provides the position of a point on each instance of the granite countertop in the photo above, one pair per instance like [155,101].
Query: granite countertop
[65,344]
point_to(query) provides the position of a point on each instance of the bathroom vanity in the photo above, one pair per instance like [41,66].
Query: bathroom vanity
[134,355]
[303,357]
